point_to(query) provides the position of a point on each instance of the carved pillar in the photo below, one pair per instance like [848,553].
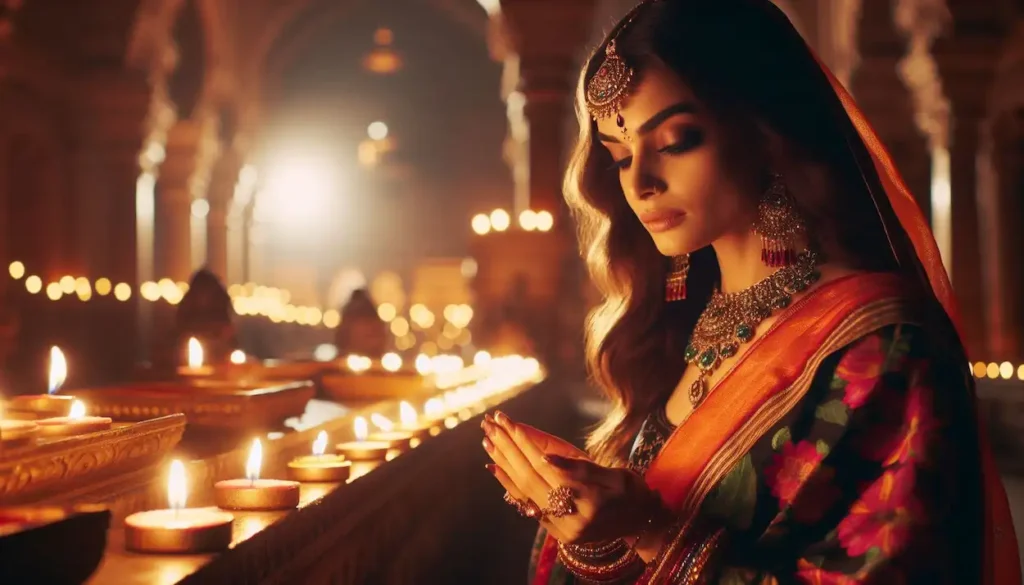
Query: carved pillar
[966,63]
[113,120]
[175,190]
[220,195]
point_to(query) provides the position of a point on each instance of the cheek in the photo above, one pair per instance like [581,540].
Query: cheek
[696,179]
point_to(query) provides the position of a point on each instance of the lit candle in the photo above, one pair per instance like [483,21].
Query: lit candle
[51,403]
[361,449]
[357,364]
[399,440]
[391,362]
[238,357]
[75,423]
[320,467]
[178,529]
[195,358]
[253,493]
[410,422]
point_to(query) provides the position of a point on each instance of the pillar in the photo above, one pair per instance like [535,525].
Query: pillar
[176,187]
[220,195]
[966,64]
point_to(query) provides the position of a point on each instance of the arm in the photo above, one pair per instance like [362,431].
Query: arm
[861,495]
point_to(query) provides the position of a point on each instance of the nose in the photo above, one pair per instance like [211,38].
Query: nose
[642,182]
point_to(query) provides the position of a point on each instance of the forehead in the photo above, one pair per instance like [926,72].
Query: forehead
[657,87]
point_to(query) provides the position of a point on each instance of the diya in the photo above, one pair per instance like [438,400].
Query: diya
[195,367]
[410,422]
[399,440]
[320,467]
[75,423]
[363,449]
[253,493]
[178,529]
[49,404]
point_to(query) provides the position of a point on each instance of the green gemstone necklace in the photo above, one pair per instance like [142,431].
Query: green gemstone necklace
[732,319]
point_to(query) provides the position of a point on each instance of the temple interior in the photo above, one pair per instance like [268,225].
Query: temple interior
[304,245]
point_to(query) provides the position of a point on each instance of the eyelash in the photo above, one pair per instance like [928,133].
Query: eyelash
[691,139]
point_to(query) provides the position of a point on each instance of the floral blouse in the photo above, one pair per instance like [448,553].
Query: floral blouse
[872,478]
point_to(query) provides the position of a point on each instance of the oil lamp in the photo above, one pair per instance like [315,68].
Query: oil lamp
[362,449]
[253,493]
[51,403]
[319,467]
[75,423]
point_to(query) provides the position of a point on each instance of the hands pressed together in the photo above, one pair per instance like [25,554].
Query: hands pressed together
[574,498]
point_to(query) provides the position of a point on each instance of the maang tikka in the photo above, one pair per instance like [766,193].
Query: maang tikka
[779,224]
[675,280]
[614,80]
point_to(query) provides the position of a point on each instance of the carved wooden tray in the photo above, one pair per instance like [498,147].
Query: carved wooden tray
[222,404]
[374,385]
[59,470]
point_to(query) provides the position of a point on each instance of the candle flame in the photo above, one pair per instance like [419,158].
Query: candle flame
[407,414]
[320,444]
[77,409]
[358,363]
[237,357]
[177,493]
[391,362]
[382,422]
[361,428]
[58,370]
[252,465]
[195,353]
[423,364]
[434,407]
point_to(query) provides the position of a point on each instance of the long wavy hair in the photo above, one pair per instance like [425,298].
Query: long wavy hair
[753,72]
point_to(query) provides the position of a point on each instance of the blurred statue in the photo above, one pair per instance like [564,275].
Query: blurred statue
[206,313]
[362,332]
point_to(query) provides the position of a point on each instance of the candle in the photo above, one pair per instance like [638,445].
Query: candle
[51,403]
[178,529]
[238,357]
[75,423]
[399,440]
[253,493]
[195,365]
[320,467]
[410,422]
[361,449]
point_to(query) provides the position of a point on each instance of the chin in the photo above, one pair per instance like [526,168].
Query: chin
[671,244]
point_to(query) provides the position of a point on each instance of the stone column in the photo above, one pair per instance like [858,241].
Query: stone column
[175,190]
[220,195]
[966,64]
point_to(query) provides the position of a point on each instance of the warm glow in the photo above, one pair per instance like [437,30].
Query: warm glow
[528,220]
[122,291]
[361,428]
[481,224]
[377,131]
[391,362]
[237,356]
[33,284]
[320,444]
[382,422]
[434,408]
[407,414]
[545,221]
[195,353]
[77,410]
[386,311]
[1006,370]
[358,363]
[103,287]
[58,370]
[500,220]
[481,358]
[423,364]
[252,464]
[17,270]
[177,493]
[332,318]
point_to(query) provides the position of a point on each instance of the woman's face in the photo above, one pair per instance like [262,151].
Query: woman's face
[675,166]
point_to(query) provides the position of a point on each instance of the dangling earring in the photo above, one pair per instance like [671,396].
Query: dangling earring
[779,225]
[675,281]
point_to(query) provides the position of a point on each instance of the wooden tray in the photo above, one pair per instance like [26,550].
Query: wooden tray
[375,385]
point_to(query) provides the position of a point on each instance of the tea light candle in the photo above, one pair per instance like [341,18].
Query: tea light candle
[254,493]
[320,467]
[75,423]
[178,529]
[399,440]
[410,422]
[195,365]
[362,449]
[51,403]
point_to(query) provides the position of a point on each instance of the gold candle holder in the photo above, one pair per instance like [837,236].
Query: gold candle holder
[75,423]
[253,493]
[364,450]
[178,530]
[41,405]
[191,530]
[318,467]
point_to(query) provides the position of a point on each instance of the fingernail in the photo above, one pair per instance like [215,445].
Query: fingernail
[487,427]
[488,418]
[492,468]
[487,445]
[502,419]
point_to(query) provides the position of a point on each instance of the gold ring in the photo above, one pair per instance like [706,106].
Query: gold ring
[521,506]
[560,503]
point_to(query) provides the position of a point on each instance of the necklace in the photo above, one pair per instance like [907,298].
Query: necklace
[732,319]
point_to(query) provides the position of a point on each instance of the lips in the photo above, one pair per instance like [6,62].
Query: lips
[661,220]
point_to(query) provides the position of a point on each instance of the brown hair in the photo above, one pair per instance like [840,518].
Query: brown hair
[747,64]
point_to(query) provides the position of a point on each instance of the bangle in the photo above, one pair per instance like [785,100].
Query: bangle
[626,564]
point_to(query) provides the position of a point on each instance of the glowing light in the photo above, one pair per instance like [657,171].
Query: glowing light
[103,287]
[255,460]
[545,221]
[481,224]
[16,269]
[360,428]
[297,191]
[77,410]
[528,220]
[377,131]
[177,492]
[407,414]
[58,370]
[122,291]
[237,357]
[391,362]
[382,422]
[320,444]
[33,284]
[482,358]
[386,311]
[500,220]
[195,353]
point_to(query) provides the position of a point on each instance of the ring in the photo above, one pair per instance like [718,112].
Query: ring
[525,508]
[560,503]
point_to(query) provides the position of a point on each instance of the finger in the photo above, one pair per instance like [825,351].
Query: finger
[552,475]
[497,456]
[520,468]
[549,444]
[510,486]
[583,471]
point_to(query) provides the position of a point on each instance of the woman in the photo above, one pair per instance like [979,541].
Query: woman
[790,397]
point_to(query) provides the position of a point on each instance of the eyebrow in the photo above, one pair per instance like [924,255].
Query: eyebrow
[656,120]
